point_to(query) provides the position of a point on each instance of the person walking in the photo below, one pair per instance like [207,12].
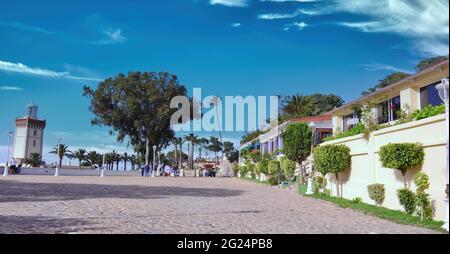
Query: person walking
[175,169]
[146,170]
[12,165]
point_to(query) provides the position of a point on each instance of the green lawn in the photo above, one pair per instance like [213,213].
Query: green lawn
[382,212]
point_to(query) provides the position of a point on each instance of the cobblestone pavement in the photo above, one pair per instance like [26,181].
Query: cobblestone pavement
[129,204]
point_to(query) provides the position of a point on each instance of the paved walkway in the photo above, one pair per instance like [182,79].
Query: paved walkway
[128,204]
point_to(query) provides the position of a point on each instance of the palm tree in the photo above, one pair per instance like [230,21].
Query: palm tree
[179,141]
[193,140]
[176,142]
[117,158]
[93,158]
[61,150]
[133,161]
[109,161]
[125,158]
[80,155]
[215,146]
[299,106]
[202,143]
[35,160]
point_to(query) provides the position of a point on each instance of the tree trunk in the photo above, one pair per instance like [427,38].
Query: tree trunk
[60,162]
[181,155]
[192,154]
[338,194]
[125,165]
[147,151]
[404,179]
[117,166]
[79,164]
[176,154]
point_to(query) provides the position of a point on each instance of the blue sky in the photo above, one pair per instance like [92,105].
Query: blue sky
[50,49]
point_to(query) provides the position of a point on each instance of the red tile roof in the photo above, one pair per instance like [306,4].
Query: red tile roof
[311,119]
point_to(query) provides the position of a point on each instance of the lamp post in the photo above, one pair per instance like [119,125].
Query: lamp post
[159,162]
[309,189]
[58,147]
[5,172]
[443,93]
[154,160]
[102,174]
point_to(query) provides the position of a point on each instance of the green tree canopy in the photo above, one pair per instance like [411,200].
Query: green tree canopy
[422,65]
[332,159]
[402,156]
[387,81]
[137,106]
[297,139]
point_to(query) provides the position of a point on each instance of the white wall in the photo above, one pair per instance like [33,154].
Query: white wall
[366,168]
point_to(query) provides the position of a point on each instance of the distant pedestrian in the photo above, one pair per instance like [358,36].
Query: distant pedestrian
[175,169]
[12,165]
[147,170]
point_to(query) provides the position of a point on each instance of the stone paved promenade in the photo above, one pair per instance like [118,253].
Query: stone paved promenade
[130,204]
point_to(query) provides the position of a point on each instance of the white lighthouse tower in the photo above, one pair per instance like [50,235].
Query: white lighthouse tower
[29,134]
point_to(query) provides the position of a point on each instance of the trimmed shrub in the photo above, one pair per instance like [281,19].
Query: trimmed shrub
[243,170]
[421,180]
[258,169]
[357,200]
[402,156]
[332,159]
[274,168]
[376,192]
[289,168]
[251,169]
[273,180]
[423,203]
[407,199]
[319,183]
[235,169]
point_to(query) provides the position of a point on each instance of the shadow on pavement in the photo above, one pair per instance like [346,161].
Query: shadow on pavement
[42,225]
[14,191]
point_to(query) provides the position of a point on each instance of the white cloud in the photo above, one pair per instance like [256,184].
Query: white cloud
[24,69]
[271,16]
[378,66]
[11,88]
[21,26]
[425,23]
[237,24]
[229,3]
[283,1]
[112,36]
[300,25]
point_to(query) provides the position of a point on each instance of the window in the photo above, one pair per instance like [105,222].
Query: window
[35,133]
[429,95]
[349,121]
[389,110]
[34,142]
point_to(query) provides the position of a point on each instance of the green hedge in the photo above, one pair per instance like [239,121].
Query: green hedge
[427,111]
[402,156]
[358,129]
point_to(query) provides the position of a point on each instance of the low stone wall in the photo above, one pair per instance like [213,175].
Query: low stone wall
[366,167]
[74,172]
